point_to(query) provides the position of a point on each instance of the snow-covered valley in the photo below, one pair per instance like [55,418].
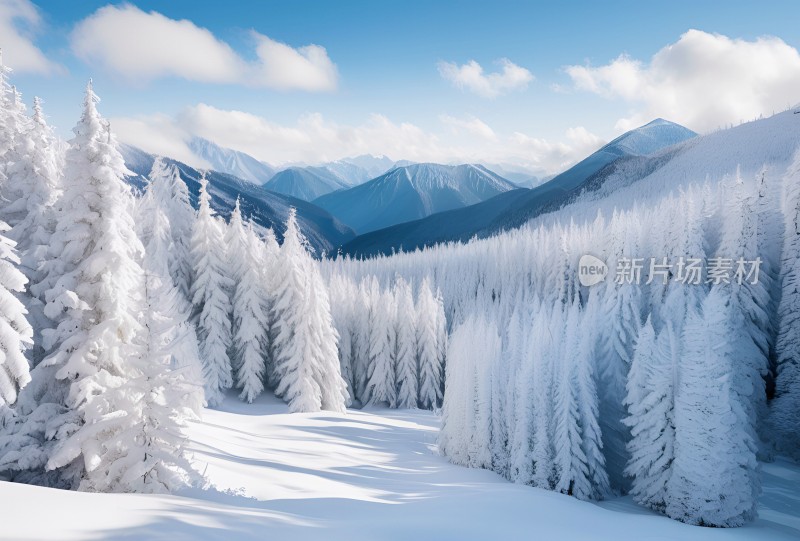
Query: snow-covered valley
[373,475]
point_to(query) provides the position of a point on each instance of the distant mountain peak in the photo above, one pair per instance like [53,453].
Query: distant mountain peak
[232,162]
[411,192]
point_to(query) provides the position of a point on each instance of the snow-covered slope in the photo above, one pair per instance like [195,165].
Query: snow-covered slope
[233,162]
[266,208]
[372,475]
[512,209]
[306,183]
[412,192]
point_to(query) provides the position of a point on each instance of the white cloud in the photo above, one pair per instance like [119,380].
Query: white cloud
[556,156]
[19,19]
[470,125]
[315,139]
[470,76]
[702,81]
[285,68]
[157,134]
[145,46]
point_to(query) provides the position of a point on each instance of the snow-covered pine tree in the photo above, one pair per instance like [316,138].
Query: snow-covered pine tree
[749,301]
[441,334]
[428,352]
[714,480]
[163,392]
[171,325]
[466,412]
[343,296]
[16,334]
[486,357]
[324,337]
[250,319]
[14,124]
[785,414]
[306,361]
[405,346]
[270,259]
[382,384]
[76,408]
[35,173]
[541,355]
[588,402]
[520,410]
[7,126]
[211,299]
[364,325]
[458,406]
[578,457]
[172,192]
[621,313]
[650,402]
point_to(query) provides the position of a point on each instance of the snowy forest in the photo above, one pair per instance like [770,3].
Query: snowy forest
[126,312]
[668,389]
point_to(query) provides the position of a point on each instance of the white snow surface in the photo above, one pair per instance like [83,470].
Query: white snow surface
[373,475]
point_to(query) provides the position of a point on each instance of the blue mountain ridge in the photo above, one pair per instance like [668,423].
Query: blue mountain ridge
[514,208]
[263,207]
[411,192]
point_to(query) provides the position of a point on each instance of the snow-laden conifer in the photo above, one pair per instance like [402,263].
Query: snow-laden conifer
[211,299]
[428,349]
[405,358]
[306,360]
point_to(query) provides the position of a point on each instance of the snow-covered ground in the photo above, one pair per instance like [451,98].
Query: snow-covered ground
[369,475]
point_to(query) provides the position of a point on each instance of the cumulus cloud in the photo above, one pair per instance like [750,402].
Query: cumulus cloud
[19,20]
[470,76]
[157,134]
[469,125]
[145,46]
[555,156]
[703,80]
[314,139]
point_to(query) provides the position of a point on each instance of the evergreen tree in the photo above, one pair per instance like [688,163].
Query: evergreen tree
[542,348]
[171,334]
[161,395]
[785,415]
[429,356]
[365,325]
[16,334]
[306,362]
[76,407]
[35,173]
[382,384]
[405,358]
[343,296]
[172,192]
[211,299]
[251,323]
[621,319]
[650,402]
[714,481]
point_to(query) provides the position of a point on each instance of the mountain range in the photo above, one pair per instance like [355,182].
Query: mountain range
[411,205]
[232,162]
[265,208]
[412,192]
[515,207]
[303,181]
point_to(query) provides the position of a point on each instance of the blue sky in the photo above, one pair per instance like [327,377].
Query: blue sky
[387,59]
